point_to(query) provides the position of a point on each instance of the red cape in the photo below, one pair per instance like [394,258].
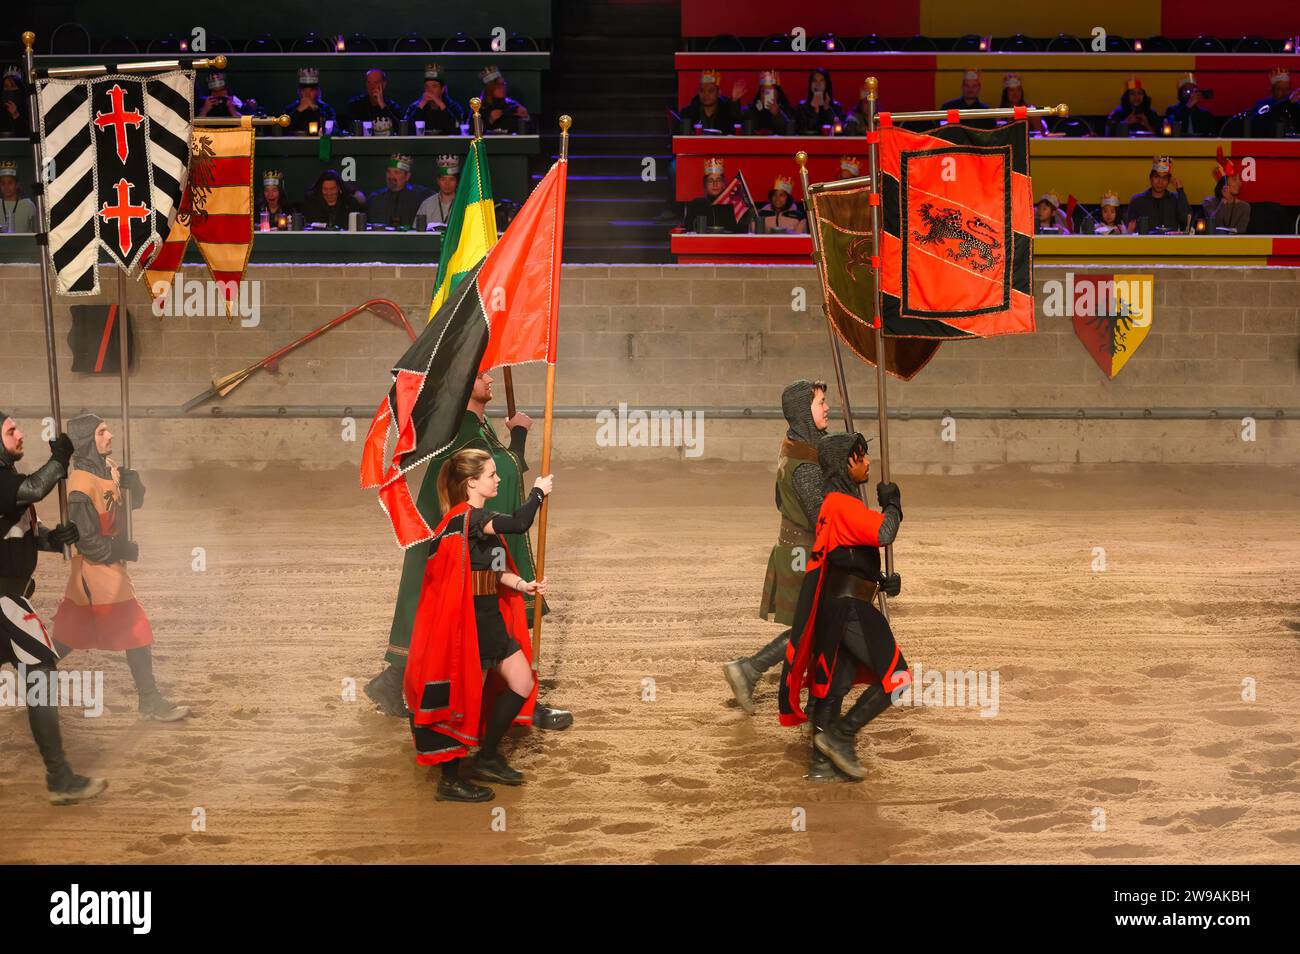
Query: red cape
[443,684]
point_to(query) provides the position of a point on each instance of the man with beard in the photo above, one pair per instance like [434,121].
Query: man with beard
[99,608]
[475,432]
[397,204]
[839,638]
[798,498]
[24,640]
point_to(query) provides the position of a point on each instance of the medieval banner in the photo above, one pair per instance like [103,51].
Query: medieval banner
[1112,315]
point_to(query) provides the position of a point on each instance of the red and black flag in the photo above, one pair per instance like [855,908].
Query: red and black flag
[503,312]
[957,223]
[94,338]
[737,196]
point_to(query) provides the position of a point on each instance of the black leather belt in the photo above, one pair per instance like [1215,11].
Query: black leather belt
[842,583]
[485,582]
[793,535]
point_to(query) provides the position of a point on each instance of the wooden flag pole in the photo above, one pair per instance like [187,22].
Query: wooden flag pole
[47,293]
[837,358]
[565,123]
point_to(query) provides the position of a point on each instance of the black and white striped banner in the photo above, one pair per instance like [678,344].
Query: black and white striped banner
[116,149]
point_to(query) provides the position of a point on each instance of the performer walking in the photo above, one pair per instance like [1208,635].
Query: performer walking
[471,624]
[839,638]
[99,608]
[798,498]
[23,637]
[475,431]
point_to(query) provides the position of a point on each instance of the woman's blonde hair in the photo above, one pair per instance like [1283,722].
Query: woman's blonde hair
[459,469]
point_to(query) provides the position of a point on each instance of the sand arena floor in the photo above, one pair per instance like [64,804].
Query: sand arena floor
[1120,691]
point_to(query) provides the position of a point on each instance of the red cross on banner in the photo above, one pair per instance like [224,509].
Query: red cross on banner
[123,212]
[118,118]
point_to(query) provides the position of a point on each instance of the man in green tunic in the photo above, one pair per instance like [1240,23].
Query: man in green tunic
[798,498]
[475,431]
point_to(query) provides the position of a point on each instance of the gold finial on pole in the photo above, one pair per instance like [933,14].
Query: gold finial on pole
[29,39]
[1062,110]
[801,157]
[283,120]
[476,121]
[219,61]
[565,122]
[872,84]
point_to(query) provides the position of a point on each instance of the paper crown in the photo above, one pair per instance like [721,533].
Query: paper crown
[864,91]
[1051,198]
[713,167]
[769,78]
[1223,166]
[1011,80]
[1279,75]
[971,75]
[273,177]
[448,165]
[309,76]
[8,168]
[489,75]
[216,81]
[1162,165]
[381,126]
[433,71]
[1110,198]
[785,184]
[1133,83]
[710,76]
[850,164]
[1187,80]
[400,161]
[13,71]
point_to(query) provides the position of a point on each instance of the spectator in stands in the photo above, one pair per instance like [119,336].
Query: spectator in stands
[222,103]
[1108,221]
[1225,210]
[1013,94]
[820,108]
[440,114]
[855,122]
[971,85]
[15,102]
[19,213]
[771,112]
[703,208]
[330,200]
[1188,117]
[500,112]
[1278,114]
[272,198]
[1157,207]
[437,208]
[373,104]
[782,213]
[710,109]
[1048,216]
[396,204]
[850,167]
[1134,115]
[309,107]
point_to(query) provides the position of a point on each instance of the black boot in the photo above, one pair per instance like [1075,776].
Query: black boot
[385,690]
[837,741]
[453,788]
[824,712]
[65,786]
[153,705]
[490,765]
[552,720]
[743,674]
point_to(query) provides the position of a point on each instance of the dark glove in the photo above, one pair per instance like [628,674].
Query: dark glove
[887,493]
[64,534]
[61,449]
[124,551]
[892,584]
[129,481]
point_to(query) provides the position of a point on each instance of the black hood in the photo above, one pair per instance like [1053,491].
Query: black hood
[833,453]
[5,459]
[796,405]
[84,455]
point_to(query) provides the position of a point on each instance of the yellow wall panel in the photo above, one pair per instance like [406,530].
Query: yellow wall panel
[1128,18]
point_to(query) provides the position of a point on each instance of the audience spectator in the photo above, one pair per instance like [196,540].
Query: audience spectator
[709,109]
[271,200]
[309,107]
[820,108]
[1013,94]
[330,200]
[1188,117]
[221,102]
[850,167]
[971,85]
[1157,207]
[1278,114]
[771,112]
[397,203]
[1134,115]
[1048,216]
[702,208]
[1108,221]
[14,103]
[373,104]
[1225,210]
[782,213]
[855,122]
[19,213]
[500,112]
[437,208]
[440,114]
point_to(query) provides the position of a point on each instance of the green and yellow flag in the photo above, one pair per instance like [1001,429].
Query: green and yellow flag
[471,227]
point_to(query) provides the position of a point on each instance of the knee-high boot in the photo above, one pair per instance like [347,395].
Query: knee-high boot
[489,764]
[743,674]
[837,742]
[824,713]
[153,705]
[65,786]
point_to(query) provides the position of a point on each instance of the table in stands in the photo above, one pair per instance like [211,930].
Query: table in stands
[700,248]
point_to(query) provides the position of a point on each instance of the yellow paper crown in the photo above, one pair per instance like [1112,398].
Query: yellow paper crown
[1110,198]
[850,164]
[785,184]
[1010,80]
[1162,165]
[711,76]
[713,167]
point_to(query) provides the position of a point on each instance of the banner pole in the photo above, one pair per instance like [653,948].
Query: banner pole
[47,293]
[124,351]
[837,359]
